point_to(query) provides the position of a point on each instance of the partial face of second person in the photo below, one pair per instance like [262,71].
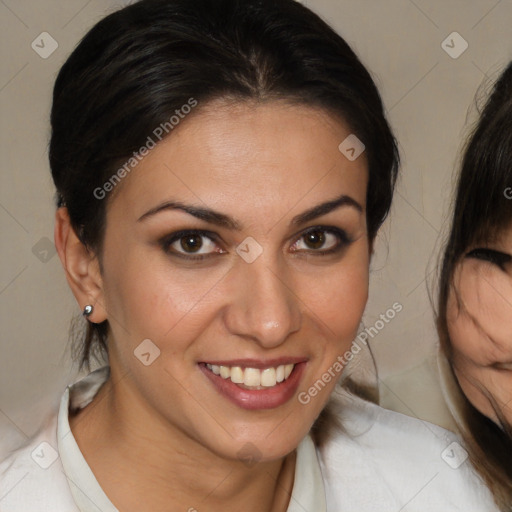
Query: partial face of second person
[293,293]
[480,326]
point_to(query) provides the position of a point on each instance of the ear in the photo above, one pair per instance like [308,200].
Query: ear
[81,267]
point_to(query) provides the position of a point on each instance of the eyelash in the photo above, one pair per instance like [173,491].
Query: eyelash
[166,242]
[495,257]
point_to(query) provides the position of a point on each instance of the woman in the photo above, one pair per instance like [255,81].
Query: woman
[475,296]
[222,168]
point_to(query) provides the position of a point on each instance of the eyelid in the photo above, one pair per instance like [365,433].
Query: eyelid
[493,256]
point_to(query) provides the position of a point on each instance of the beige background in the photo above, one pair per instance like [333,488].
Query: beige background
[427,94]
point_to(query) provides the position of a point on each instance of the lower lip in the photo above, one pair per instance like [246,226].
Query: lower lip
[258,398]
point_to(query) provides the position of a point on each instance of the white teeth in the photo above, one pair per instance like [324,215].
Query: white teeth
[268,377]
[237,375]
[253,377]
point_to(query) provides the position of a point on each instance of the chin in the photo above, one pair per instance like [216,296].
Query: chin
[265,445]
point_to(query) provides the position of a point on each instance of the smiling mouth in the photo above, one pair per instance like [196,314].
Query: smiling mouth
[253,378]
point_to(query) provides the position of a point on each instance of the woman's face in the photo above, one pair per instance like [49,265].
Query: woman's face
[481,328]
[266,273]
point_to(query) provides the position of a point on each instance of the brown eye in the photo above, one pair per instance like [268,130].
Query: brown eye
[191,243]
[315,239]
[197,244]
[322,240]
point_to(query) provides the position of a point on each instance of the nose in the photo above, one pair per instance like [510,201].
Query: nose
[263,305]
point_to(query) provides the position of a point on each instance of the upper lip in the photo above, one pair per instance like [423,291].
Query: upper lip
[257,363]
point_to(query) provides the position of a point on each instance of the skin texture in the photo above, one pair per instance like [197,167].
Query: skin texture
[481,330]
[164,430]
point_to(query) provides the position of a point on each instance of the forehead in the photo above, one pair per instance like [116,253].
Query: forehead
[248,153]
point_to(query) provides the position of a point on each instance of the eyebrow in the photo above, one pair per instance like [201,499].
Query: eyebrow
[225,221]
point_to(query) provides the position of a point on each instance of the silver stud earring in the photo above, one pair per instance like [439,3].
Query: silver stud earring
[87,310]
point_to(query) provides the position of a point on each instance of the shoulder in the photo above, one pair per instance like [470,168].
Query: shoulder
[398,461]
[32,477]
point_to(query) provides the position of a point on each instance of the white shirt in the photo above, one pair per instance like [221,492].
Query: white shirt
[384,461]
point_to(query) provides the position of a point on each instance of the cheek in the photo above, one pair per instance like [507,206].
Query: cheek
[486,388]
[145,299]
[474,351]
[346,301]
[460,330]
[466,341]
[482,330]
[339,298]
[492,310]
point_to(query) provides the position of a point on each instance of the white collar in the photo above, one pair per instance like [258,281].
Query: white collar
[308,488]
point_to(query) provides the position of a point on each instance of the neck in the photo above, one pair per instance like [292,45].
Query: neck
[143,462]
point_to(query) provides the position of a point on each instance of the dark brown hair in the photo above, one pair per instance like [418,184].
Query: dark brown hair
[482,211]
